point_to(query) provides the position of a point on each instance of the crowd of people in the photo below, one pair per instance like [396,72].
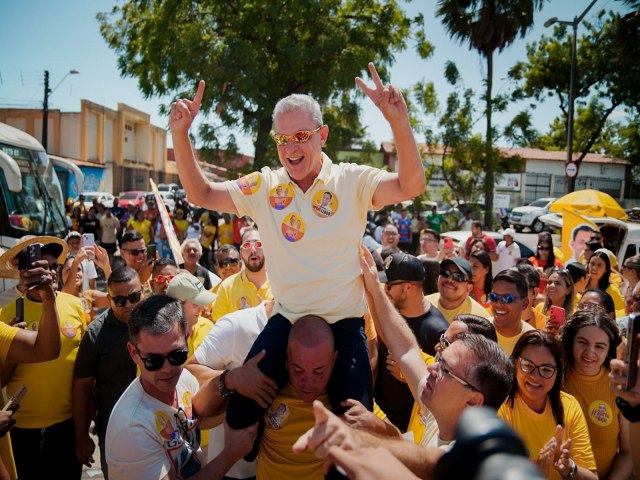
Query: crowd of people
[331,335]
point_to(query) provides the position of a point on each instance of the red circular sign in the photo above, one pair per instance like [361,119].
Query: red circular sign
[571,169]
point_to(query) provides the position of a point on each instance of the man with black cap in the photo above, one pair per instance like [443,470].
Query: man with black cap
[402,277]
[454,285]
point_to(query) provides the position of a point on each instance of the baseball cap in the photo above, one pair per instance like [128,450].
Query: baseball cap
[185,286]
[509,231]
[463,265]
[73,234]
[402,266]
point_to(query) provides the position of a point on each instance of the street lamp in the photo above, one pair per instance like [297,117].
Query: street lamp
[571,182]
[45,104]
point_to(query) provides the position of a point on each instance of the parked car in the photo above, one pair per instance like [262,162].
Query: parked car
[529,215]
[168,187]
[104,198]
[135,198]
[460,237]
[167,197]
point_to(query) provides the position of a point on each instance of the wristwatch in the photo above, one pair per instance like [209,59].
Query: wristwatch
[574,471]
[224,391]
[628,411]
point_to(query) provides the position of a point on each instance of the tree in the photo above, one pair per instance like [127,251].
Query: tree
[254,52]
[487,26]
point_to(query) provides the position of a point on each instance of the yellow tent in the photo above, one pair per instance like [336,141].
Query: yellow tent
[591,203]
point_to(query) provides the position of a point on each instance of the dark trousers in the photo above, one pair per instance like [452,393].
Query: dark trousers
[46,452]
[351,377]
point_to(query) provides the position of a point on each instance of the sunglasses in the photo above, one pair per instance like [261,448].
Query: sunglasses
[154,361]
[163,278]
[228,261]
[135,251]
[444,342]
[544,249]
[545,371]
[122,301]
[301,136]
[188,434]
[248,245]
[505,299]
[455,276]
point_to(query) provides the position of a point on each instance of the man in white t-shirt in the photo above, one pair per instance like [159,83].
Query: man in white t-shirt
[508,251]
[153,431]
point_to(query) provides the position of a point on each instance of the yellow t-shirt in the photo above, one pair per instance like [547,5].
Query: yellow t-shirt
[598,402]
[181,226]
[312,239]
[225,234]
[507,343]
[288,417]
[48,398]
[537,428]
[417,421]
[614,291]
[469,305]
[142,228]
[236,293]
[539,319]
[207,241]
[7,334]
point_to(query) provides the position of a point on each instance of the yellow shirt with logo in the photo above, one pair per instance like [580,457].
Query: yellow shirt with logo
[288,417]
[48,398]
[312,239]
[598,402]
[537,428]
[236,293]
[469,305]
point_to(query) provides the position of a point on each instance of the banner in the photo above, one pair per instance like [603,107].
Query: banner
[576,232]
[172,238]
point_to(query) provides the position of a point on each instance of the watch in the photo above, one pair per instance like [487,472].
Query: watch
[574,471]
[629,412]
[224,391]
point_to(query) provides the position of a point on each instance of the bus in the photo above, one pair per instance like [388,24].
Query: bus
[31,200]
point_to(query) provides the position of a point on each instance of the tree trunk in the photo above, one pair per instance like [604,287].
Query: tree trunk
[263,139]
[488,150]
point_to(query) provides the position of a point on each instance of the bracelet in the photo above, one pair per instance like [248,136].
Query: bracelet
[224,391]
[574,471]
[628,411]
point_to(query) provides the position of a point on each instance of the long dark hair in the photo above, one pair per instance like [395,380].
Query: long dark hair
[604,281]
[545,237]
[484,258]
[538,338]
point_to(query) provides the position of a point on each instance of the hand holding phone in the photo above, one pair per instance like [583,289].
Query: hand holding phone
[448,243]
[88,240]
[151,250]
[556,315]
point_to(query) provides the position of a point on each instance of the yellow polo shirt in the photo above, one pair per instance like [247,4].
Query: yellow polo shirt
[312,240]
[236,293]
[469,305]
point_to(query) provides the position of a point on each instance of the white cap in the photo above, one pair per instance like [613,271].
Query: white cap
[509,231]
[185,286]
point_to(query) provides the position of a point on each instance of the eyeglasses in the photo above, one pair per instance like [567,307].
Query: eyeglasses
[455,276]
[505,299]
[187,434]
[248,245]
[122,301]
[387,286]
[301,136]
[543,249]
[135,251]
[545,371]
[444,342]
[228,261]
[391,234]
[163,278]
[427,239]
[442,370]
[154,361]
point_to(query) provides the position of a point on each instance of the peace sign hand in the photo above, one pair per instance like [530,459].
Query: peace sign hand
[387,98]
[184,111]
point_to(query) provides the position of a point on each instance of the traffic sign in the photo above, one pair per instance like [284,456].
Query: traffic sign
[571,169]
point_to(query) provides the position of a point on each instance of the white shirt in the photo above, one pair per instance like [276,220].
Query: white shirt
[431,434]
[507,256]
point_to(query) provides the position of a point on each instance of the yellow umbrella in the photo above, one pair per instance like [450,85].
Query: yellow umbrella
[591,203]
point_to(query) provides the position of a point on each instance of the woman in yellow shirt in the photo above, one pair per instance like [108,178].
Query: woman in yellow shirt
[550,422]
[599,268]
[141,225]
[559,292]
[589,339]
[181,224]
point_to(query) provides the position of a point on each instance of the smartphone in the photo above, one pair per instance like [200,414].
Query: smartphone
[631,353]
[20,310]
[88,240]
[556,315]
[448,243]
[14,401]
[151,250]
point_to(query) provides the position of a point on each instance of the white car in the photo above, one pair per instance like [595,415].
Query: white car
[169,199]
[529,215]
[104,198]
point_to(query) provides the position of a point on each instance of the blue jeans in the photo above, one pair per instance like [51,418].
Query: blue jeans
[351,377]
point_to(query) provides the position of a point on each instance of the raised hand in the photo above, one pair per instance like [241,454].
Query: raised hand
[249,381]
[183,111]
[387,98]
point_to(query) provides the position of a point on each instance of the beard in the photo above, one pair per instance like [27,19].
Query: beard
[255,265]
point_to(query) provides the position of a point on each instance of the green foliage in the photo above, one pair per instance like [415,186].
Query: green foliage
[251,53]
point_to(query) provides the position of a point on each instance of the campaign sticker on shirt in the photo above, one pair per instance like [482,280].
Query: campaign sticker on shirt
[186,405]
[68,329]
[243,303]
[164,426]
[277,416]
[280,196]
[293,227]
[324,203]
[600,413]
[249,184]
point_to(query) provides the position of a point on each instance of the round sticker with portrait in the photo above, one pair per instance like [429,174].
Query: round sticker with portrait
[324,203]
[293,227]
[249,184]
[280,196]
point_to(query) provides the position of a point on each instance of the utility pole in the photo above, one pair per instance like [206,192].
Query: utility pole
[45,109]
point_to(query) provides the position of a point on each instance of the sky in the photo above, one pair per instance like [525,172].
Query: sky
[63,35]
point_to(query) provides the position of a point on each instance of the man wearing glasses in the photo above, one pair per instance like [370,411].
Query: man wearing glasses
[153,432]
[134,252]
[249,287]
[454,286]
[315,272]
[103,368]
[164,269]
[227,263]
